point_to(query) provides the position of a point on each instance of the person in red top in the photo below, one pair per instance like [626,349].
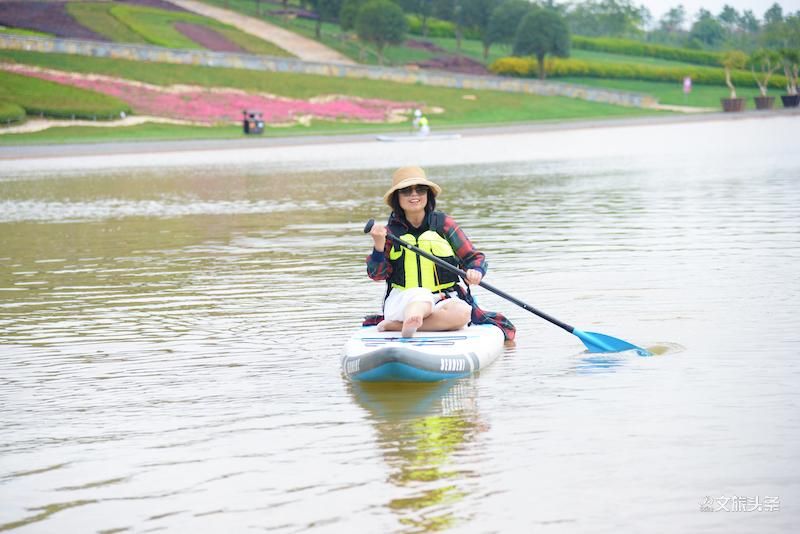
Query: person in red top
[420,294]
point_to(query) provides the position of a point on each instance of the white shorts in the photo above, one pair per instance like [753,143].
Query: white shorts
[395,304]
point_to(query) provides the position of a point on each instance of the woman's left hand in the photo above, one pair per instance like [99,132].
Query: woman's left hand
[474,277]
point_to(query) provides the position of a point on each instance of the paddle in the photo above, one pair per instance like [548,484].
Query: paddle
[594,342]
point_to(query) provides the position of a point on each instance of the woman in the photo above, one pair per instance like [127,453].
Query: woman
[420,293]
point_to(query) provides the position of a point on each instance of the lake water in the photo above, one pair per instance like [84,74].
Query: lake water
[171,327]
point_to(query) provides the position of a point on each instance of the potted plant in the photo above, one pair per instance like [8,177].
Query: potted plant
[733,59]
[791,59]
[767,62]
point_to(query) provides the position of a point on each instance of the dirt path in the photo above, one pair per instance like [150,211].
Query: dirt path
[303,48]
[37,125]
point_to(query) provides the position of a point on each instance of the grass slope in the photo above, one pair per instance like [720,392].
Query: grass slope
[98,18]
[47,98]
[482,108]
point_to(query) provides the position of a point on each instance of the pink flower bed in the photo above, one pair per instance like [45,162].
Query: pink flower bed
[214,106]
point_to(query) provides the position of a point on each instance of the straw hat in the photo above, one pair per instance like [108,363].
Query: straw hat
[405,176]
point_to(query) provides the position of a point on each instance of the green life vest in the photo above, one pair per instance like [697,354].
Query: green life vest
[411,270]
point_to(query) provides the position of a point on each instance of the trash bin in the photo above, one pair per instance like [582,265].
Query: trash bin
[253,122]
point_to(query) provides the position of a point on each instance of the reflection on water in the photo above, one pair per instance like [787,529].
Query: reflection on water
[170,342]
[421,429]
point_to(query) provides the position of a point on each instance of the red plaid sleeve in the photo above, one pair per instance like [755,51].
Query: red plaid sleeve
[378,266]
[471,258]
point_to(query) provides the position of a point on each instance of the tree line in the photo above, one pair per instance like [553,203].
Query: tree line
[543,27]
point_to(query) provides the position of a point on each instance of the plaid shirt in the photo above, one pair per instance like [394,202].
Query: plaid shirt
[379,267]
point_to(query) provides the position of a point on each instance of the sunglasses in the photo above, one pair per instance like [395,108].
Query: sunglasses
[420,189]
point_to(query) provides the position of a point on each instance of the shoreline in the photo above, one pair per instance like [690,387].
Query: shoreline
[77,150]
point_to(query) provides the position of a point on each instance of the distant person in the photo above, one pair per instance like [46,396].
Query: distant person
[420,123]
[415,121]
[424,129]
[421,295]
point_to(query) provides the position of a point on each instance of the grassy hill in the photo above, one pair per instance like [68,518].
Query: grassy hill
[165,25]
[460,107]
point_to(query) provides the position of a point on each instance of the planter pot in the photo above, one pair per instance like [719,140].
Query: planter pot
[790,101]
[732,104]
[764,102]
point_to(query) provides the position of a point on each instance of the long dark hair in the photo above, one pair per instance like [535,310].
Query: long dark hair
[400,214]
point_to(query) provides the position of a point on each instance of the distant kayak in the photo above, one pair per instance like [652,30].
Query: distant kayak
[372,356]
[412,137]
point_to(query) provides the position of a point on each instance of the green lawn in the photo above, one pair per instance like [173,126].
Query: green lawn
[22,31]
[37,96]
[98,18]
[704,96]
[606,57]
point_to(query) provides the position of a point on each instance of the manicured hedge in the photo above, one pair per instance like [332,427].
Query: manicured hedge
[629,47]
[10,112]
[439,28]
[50,99]
[526,67]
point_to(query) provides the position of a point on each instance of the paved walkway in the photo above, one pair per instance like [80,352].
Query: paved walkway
[302,47]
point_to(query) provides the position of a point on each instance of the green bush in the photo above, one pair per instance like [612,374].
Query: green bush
[629,47]
[439,28]
[556,67]
[50,99]
[10,112]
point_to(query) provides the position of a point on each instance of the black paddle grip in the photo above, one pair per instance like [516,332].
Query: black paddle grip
[369,225]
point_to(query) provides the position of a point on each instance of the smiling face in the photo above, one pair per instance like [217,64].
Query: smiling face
[413,200]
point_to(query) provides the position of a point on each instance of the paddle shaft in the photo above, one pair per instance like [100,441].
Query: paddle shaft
[444,265]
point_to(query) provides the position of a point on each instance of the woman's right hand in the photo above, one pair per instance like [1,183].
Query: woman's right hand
[378,233]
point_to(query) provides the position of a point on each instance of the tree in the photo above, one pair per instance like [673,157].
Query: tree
[733,59]
[348,13]
[477,14]
[748,23]
[505,19]
[381,22]
[618,18]
[791,61]
[783,33]
[767,62]
[542,32]
[729,18]
[707,29]
[327,11]
[773,15]
[422,8]
[673,20]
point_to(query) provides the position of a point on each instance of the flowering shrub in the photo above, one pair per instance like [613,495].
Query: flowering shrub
[222,105]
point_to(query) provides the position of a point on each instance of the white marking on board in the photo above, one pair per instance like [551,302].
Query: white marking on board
[452,364]
[352,366]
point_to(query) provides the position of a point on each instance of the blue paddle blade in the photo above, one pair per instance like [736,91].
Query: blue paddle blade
[602,343]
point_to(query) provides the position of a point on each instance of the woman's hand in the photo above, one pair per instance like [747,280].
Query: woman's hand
[474,277]
[378,234]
